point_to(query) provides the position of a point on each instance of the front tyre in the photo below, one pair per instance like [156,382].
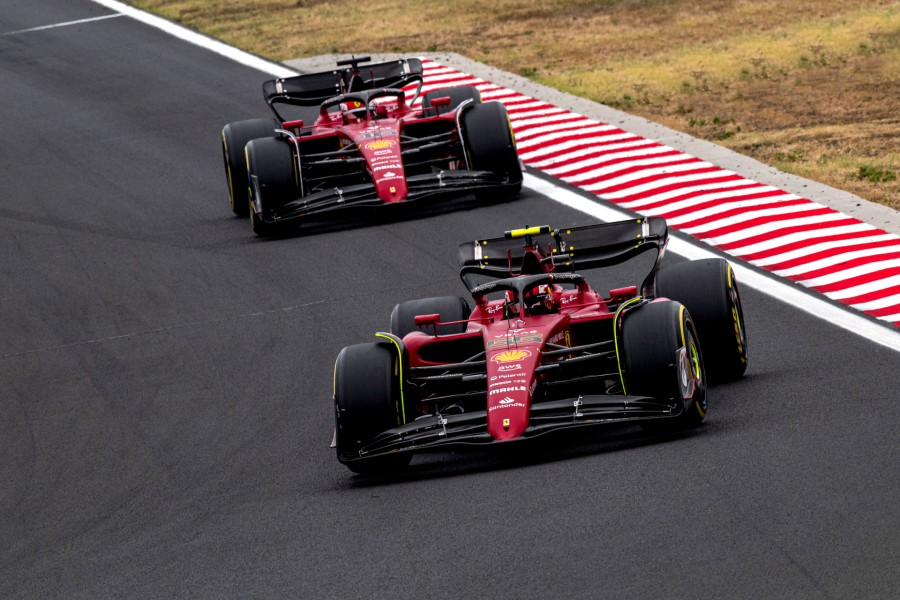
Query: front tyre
[234,138]
[273,177]
[450,308]
[663,360]
[491,146]
[709,290]
[366,403]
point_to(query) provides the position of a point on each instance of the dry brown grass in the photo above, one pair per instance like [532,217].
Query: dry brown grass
[810,86]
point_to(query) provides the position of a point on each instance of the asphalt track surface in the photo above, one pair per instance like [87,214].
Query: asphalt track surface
[165,383]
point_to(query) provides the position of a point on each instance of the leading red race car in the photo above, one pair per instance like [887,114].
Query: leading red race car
[541,350]
[366,146]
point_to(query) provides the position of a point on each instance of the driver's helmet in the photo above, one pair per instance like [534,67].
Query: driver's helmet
[354,111]
[541,300]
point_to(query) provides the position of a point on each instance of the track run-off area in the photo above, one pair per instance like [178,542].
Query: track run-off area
[819,247]
[166,377]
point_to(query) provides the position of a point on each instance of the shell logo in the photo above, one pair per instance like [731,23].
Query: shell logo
[380,144]
[510,356]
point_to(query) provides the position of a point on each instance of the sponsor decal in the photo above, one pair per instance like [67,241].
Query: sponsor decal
[521,379]
[507,389]
[390,166]
[507,400]
[562,335]
[512,367]
[508,375]
[515,332]
[511,356]
[372,133]
[566,276]
[380,144]
[510,405]
[381,152]
[513,340]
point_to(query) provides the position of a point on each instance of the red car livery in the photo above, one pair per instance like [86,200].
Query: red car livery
[359,145]
[540,350]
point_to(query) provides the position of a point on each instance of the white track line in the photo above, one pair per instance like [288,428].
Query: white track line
[183,33]
[845,318]
[66,24]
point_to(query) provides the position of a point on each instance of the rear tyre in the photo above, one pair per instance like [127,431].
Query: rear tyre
[451,308]
[366,397]
[457,96]
[234,137]
[273,180]
[709,290]
[663,360]
[491,146]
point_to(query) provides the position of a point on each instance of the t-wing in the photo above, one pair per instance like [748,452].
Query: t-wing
[536,250]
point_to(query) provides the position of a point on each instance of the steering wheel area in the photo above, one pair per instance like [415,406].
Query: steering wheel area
[529,294]
[359,107]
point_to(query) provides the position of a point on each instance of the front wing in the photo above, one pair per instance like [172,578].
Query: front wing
[470,428]
[364,195]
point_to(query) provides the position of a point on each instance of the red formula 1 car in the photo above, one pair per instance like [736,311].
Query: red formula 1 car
[541,350]
[366,147]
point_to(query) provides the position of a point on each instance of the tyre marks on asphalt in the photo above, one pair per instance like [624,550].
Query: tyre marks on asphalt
[839,256]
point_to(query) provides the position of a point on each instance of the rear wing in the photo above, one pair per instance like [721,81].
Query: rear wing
[581,248]
[314,88]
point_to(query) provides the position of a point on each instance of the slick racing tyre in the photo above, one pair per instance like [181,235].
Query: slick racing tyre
[491,146]
[709,290]
[273,180]
[366,397]
[457,96]
[234,137]
[663,360]
[451,308]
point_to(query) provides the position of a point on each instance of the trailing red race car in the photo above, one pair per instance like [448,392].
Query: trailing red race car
[366,148]
[541,350]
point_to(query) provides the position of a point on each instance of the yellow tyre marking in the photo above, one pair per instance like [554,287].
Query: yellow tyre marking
[402,411]
[738,330]
[616,341]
